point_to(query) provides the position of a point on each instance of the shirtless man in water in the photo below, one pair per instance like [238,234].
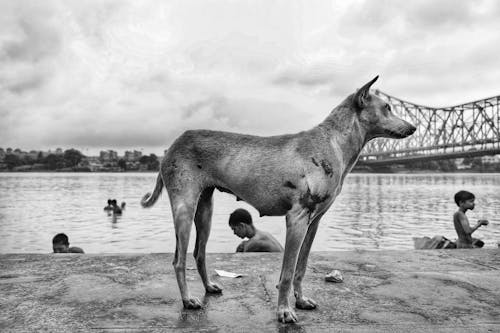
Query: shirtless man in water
[258,241]
[465,201]
[60,244]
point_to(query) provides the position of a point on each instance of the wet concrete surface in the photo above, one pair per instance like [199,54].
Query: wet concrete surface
[383,291]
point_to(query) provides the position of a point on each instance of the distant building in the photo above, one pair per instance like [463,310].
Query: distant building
[93,163]
[108,156]
[134,165]
[59,151]
[131,156]
[491,159]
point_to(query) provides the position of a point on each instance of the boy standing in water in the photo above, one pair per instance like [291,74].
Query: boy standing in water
[465,201]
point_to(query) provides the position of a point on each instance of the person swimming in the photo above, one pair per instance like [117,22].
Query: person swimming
[117,209]
[60,244]
[109,207]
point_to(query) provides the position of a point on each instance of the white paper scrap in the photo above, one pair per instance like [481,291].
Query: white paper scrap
[220,272]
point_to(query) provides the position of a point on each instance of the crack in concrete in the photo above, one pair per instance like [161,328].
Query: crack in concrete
[266,292]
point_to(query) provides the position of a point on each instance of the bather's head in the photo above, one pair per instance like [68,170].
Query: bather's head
[241,222]
[60,243]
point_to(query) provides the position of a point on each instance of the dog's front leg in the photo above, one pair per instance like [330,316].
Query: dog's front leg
[302,302]
[297,223]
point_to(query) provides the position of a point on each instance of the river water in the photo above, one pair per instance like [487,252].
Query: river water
[373,211]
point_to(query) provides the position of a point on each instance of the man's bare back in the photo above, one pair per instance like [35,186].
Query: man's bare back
[258,241]
[261,242]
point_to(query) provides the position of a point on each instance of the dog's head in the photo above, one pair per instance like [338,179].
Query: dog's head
[376,116]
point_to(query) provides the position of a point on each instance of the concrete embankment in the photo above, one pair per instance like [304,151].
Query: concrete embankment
[383,291]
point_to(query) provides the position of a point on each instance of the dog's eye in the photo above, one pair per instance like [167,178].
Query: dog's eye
[387,107]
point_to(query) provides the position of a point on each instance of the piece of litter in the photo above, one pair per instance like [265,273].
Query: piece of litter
[121,267]
[220,272]
[334,276]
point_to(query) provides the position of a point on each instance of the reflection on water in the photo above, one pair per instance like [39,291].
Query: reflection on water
[373,211]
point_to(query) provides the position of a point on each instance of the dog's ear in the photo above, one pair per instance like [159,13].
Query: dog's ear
[362,95]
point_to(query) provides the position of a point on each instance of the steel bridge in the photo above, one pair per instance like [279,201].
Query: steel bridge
[465,130]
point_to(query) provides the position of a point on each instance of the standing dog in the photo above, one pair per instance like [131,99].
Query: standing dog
[297,175]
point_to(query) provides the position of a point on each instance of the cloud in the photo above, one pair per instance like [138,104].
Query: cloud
[133,74]
[326,77]
[29,83]
[424,15]
[36,40]
[421,50]
[28,43]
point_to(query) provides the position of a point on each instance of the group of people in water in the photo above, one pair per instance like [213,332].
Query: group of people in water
[240,221]
[112,207]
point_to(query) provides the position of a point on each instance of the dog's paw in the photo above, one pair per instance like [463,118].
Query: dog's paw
[305,303]
[191,303]
[213,288]
[286,315]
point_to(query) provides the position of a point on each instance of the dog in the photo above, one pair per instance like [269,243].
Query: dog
[297,175]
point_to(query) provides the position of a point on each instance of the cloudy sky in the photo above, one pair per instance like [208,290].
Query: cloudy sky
[108,74]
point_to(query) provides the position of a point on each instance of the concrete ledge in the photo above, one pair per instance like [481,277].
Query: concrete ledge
[383,291]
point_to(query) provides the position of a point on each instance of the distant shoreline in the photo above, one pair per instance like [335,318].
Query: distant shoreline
[399,171]
[75,171]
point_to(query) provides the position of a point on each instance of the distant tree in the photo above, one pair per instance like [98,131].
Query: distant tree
[54,162]
[150,161]
[28,160]
[477,163]
[468,160]
[122,164]
[153,162]
[494,167]
[425,165]
[447,165]
[12,161]
[72,157]
[144,159]
[39,158]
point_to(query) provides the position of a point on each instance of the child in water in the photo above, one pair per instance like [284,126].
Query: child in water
[465,201]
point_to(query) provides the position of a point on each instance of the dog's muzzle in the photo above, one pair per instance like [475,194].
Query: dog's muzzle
[403,133]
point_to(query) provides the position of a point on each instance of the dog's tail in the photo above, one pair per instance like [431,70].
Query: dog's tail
[149,199]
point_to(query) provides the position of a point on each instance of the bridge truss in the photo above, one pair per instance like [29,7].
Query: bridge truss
[465,130]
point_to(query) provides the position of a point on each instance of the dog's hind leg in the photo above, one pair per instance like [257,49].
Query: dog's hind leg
[297,222]
[302,302]
[203,222]
[183,210]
